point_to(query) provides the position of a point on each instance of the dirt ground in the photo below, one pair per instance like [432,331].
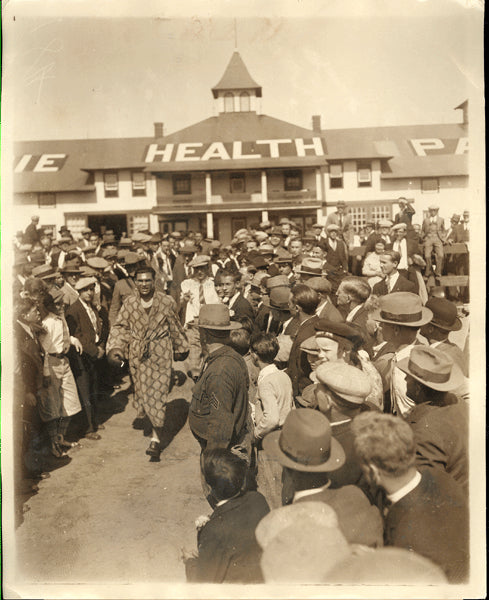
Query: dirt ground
[112,514]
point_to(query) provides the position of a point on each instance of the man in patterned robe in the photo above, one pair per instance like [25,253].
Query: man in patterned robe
[148,333]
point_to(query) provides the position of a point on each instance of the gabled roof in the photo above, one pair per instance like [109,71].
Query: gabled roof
[236,77]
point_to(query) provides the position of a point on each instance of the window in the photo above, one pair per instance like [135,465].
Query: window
[244,102]
[237,183]
[46,200]
[292,181]
[358,217]
[111,185]
[364,174]
[137,223]
[381,212]
[138,183]
[228,102]
[430,185]
[336,176]
[182,184]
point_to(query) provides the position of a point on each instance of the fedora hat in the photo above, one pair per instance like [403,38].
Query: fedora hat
[320,284]
[305,443]
[215,316]
[42,270]
[318,513]
[189,249]
[278,298]
[259,262]
[284,259]
[278,281]
[200,260]
[433,368]
[346,381]
[311,266]
[402,308]
[127,242]
[445,315]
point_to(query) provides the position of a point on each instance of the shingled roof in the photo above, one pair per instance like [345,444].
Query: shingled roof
[236,77]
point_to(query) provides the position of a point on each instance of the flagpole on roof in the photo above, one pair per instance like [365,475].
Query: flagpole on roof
[235,35]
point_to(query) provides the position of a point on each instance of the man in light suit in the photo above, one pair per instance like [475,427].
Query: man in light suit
[344,222]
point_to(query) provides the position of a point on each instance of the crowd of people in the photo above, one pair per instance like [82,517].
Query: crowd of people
[329,401]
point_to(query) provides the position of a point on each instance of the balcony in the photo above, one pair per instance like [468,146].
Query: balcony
[237,201]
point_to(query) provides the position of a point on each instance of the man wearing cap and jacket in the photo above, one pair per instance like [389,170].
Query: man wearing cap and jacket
[219,410]
[71,273]
[434,235]
[124,287]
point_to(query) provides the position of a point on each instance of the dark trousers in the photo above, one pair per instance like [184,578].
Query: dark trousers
[85,373]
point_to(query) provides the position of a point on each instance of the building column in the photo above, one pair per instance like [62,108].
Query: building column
[264,215]
[319,187]
[325,188]
[210,225]
[264,188]
[154,225]
[208,188]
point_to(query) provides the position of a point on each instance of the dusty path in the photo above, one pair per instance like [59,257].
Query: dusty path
[111,514]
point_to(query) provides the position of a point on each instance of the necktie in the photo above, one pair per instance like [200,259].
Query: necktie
[201,294]
[341,222]
[66,337]
[388,284]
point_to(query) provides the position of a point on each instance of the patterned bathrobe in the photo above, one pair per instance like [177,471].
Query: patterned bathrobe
[149,341]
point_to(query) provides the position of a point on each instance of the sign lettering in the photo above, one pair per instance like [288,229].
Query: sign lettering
[429,146]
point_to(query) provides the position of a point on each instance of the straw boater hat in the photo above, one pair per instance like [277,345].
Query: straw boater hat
[433,368]
[445,314]
[215,316]
[305,443]
[311,266]
[402,308]
[346,381]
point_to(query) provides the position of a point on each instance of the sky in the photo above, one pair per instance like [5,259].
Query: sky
[74,70]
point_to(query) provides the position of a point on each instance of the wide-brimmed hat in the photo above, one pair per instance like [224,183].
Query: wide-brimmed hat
[445,314]
[43,271]
[84,282]
[201,260]
[71,267]
[125,242]
[320,284]
[278,298]
[311,266]
[266,248]
[284,259]
[346,381]
[141,237]
[318,513]
[402,308]
[433,368]
[215,316]
[305,443]
[259,262]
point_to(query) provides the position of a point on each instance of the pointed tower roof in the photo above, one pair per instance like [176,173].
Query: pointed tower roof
[236,77]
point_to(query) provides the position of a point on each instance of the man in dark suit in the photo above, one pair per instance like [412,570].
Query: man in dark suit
[239,307]
[440,429]
[381,235]
[406,212]
[91,327]
[393,280]
[326,309]
[32,234]
[352,295]
[425,511]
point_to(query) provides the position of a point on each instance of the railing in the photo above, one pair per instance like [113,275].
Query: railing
[274,198]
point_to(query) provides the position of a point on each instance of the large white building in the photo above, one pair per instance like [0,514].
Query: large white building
[240,167]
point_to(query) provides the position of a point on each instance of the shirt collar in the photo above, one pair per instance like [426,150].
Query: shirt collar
[268,370]
[233,299]
[26,327]
[353,312]
[305,493]
[404,491]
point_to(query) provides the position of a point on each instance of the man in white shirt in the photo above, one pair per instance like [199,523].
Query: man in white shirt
[195,292]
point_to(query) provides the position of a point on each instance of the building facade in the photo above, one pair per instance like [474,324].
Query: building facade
[240,167]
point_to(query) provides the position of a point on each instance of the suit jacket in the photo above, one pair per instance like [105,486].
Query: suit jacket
[32,234]
[228,550]
[330,312]
[122,290]
[402,285]
[373,238]
[336,258]
[462,235]
[29,361]
[81,327]
[441,435]
[299,369]
[69,294]
[359,521]
[412,247]
[432,520]
[359,320]
[427,227]
[241,308]
[345,225]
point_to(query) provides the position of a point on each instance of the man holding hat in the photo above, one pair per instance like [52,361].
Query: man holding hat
[406,212]
[218,415]
[147,332]
[90,325]
[440,428]
[401,315]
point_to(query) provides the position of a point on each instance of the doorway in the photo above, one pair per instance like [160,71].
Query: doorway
[101,223]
